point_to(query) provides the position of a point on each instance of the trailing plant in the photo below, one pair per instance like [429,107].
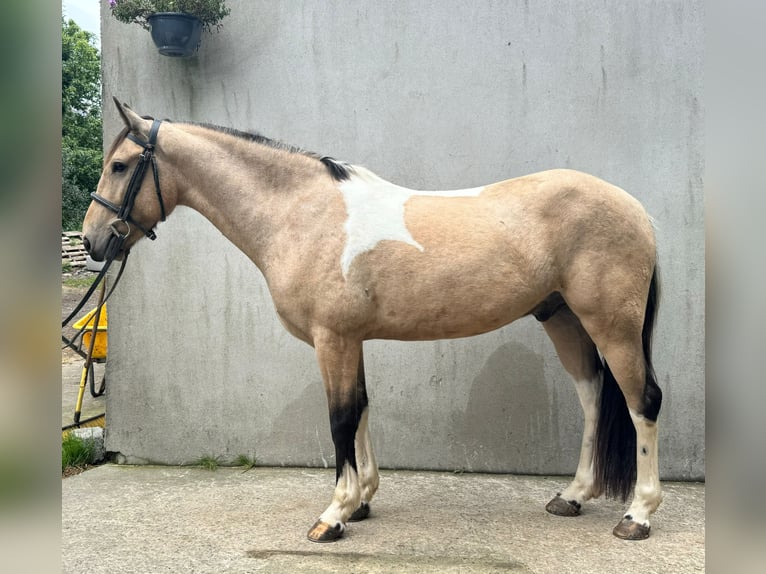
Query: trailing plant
[209,12]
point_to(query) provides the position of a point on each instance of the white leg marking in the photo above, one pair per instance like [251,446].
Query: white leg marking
[366,464]
[581,488]
[648,492]
[345,499]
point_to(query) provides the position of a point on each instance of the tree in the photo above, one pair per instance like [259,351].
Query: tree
[81,150]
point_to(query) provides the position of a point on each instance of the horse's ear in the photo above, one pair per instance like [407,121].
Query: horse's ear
[132,120]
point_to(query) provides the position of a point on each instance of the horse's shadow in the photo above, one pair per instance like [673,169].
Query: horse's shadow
[509,422]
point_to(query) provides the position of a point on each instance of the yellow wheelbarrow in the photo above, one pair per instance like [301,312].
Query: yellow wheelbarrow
[94,339]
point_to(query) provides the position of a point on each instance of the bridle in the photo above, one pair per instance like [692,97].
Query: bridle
[123,210]
[134,186]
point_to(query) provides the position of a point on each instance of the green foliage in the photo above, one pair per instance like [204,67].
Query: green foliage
[208,462]
[75,452]
[80,84]
[80,170]
[209,12]
[81,151]
[246,462]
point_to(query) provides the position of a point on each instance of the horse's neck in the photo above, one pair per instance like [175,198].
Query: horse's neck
[246,190]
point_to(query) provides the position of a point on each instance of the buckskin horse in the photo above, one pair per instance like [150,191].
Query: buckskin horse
[348,256]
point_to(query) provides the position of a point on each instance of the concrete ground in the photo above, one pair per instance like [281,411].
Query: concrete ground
[149,519]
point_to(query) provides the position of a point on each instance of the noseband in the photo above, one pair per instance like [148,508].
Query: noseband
[134,186]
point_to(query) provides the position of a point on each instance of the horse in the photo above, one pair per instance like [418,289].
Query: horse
[348,256]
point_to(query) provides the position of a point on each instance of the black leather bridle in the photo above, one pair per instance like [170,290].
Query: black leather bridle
[134,186]
[123,210]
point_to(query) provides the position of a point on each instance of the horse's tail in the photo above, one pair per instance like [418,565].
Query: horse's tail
[614,457]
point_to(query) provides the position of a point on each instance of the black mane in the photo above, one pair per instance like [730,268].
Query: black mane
[338,170]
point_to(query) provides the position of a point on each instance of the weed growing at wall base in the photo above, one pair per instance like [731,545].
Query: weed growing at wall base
[245,461]
[208,462]
[76,452]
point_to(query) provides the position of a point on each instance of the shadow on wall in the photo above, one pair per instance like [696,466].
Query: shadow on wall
[508,423]
[304,424]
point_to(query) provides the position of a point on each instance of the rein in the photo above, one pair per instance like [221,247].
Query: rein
[114,247]
[117,240]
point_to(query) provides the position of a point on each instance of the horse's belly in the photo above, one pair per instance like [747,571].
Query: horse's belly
[440,324]
[460,306]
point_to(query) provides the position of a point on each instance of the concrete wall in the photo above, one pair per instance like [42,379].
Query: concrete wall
[429,95]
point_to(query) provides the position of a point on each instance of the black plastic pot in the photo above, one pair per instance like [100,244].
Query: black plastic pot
[175,34]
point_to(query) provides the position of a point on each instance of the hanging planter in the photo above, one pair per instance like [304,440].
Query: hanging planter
[176,25]
[176,34]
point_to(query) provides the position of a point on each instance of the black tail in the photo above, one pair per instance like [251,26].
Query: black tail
[614,457]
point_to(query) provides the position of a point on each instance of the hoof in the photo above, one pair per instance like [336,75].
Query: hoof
[360,513]
[323,532]
[561,507]
[629,529]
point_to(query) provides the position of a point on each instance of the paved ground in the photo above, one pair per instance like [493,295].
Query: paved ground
[166,519]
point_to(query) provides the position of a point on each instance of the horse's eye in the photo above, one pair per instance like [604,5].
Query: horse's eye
[118,167]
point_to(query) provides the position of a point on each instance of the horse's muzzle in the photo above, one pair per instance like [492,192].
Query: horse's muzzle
[95,248]
[102,245]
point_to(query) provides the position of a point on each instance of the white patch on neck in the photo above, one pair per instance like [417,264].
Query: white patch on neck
[376,212]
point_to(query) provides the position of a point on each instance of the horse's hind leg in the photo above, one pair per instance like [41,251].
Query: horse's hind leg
[643,398]
[626,437]
[578,354]
[339,361]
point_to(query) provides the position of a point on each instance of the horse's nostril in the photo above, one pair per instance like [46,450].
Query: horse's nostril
[86,244]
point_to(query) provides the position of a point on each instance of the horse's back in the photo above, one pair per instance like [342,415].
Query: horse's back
[558,193]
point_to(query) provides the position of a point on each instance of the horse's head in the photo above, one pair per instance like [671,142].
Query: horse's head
[129,201]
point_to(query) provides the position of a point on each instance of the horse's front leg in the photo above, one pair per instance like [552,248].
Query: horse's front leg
[366,465]
[339,361]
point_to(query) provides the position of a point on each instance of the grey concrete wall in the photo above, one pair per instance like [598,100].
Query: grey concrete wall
[429,95]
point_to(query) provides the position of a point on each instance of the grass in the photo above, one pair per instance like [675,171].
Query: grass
[79,282]
[208,462]
[246,462]
[76,453]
